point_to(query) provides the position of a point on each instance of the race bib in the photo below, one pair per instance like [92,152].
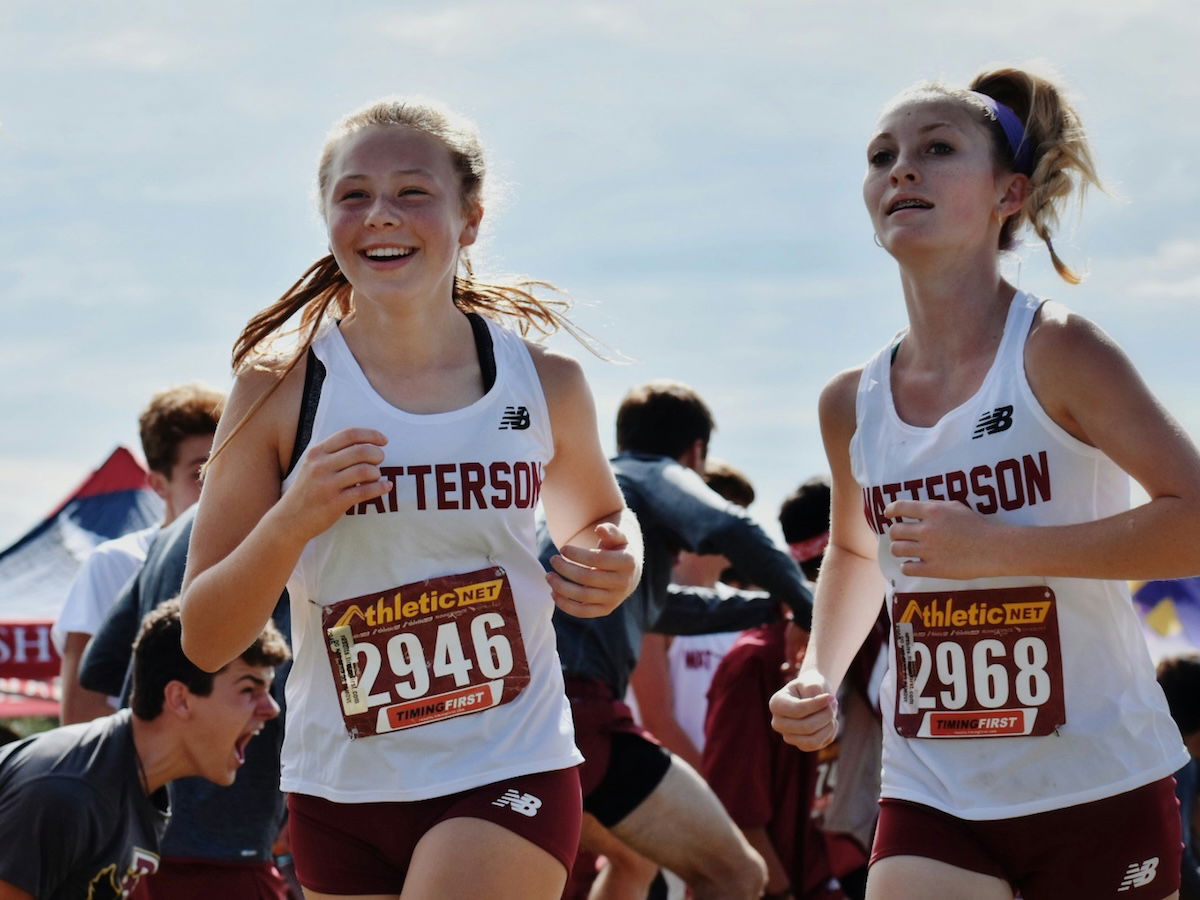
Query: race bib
[978,663]
[426,651]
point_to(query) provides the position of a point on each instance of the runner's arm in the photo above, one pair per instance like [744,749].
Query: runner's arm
[600,544]
[247,537]
[651,684]
[850,588]
[1089,387]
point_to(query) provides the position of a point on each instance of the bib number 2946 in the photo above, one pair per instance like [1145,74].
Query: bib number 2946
[426,651]
[978,663]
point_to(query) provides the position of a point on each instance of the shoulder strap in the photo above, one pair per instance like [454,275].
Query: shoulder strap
[314,378]
[485,350]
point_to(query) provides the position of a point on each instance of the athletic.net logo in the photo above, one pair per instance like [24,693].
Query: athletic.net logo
[1139,874]
[525,804]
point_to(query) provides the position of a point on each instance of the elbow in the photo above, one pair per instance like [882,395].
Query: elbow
[198,651]
[197,655]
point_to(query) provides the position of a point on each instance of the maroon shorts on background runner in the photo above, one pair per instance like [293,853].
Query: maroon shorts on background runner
[202,879]
[366,848]
[1127,846]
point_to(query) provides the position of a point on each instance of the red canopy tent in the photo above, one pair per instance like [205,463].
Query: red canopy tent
[37,569]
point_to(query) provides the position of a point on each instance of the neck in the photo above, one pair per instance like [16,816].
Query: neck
[409,337]
[955,303]
[160,753]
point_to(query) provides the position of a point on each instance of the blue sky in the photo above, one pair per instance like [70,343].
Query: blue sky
[689,171]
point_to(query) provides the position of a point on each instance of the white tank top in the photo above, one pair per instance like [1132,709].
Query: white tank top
[465,486]
[693,660]
[986,663]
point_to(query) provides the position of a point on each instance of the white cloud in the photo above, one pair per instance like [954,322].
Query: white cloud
[1166,279]
[133,49]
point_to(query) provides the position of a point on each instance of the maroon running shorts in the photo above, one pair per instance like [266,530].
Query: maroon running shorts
[201,879]
[1126,846]
[623,762]
[365,848]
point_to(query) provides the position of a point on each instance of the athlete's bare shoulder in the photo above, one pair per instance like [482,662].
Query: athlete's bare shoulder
[1068,361]
[1057,330]
[838,402]
[267,396]
[561,375]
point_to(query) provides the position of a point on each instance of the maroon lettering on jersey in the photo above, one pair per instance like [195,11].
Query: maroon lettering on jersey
[474,477]
[499,473]
[1009,484]
[461,485]
[419,474]
[446,487]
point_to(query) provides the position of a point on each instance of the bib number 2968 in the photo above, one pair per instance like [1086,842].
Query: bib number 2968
[978,663]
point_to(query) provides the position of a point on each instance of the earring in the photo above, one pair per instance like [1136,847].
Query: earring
[877,242]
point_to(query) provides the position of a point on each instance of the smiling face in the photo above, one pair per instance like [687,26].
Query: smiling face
[395,213]
[932,182]
[222,723]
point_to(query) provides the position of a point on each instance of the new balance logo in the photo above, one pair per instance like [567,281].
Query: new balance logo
[994,422]
[515,417]
[1139,874]
[528,805]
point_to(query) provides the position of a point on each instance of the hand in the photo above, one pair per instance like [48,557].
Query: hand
[804,712]
[333,476]
[795,644]
[590,583]
[944,539]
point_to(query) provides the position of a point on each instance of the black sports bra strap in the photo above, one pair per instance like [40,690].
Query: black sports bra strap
[485,350]
[314,377]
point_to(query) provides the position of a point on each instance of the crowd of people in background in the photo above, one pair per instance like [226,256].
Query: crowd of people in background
[512,668]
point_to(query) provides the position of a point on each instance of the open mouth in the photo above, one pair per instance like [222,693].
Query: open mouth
[239,747]
[909,203]
[387,254]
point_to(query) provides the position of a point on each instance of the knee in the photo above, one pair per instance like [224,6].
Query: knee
[738,873]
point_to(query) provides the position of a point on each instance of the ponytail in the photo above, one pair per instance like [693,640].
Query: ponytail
[1062,163]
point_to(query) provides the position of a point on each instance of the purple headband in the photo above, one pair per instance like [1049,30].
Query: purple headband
[1014,131]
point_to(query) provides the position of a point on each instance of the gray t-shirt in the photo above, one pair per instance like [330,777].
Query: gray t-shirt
[74,819]
[238,823]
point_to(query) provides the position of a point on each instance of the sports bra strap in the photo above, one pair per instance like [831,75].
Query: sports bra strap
[314,378]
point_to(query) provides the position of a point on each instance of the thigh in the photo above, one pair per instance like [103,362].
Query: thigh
[466,857]
[913,831]
[1127,846]
[635,766]
[482,842]
[350,850]
[682,825]
[626,873]
[919,878]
